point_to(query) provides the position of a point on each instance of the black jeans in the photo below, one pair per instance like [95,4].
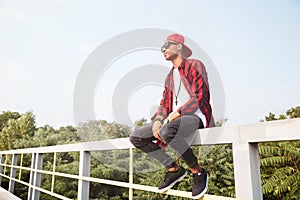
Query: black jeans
[178,134]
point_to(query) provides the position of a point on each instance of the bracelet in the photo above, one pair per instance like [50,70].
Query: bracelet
[166,121]
[157,119]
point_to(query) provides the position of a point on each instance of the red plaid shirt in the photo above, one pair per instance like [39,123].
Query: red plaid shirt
[194,77]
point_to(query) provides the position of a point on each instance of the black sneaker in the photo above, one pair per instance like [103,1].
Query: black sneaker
[200,184]
[171,178]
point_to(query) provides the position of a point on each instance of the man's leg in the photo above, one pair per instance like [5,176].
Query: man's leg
[142,138]
[174,134]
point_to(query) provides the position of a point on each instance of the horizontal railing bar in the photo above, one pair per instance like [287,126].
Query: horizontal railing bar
[120,184]
[270,131]
[113,144]
[16,166]
[37,188]
[43,171]
[149,188]
[252,133]
[51,193]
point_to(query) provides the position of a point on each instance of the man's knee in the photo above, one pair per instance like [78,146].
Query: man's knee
[136,141]
[168,133]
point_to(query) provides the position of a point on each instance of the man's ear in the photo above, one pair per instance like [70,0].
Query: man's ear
[179,46]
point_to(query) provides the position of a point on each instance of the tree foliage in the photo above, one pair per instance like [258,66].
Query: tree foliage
[95,130]
[14,128]
[280,164]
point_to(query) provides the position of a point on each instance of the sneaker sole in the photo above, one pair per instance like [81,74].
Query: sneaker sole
[172,184]
[204,191]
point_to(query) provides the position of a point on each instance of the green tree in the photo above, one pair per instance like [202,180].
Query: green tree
[218,161]
[95,130]
[140,123]
[280,164]
[14,128]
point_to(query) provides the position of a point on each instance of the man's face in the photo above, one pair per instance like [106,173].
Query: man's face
[170,50]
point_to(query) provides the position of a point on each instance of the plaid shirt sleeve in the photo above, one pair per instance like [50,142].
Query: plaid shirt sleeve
[165,106]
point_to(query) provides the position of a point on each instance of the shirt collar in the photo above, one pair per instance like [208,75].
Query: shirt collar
[182,65]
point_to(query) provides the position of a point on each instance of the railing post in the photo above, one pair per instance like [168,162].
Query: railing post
[130,173]
[30,189]
[53,170]
[1,167]
[84,170]
[35,177]
[11,186]
[247,171]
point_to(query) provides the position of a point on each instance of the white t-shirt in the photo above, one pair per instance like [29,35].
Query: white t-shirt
[182,95]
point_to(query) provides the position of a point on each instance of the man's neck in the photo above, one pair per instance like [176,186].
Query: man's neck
[177,61]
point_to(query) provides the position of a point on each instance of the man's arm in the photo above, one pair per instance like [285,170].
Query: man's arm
[164,108]
[173,116]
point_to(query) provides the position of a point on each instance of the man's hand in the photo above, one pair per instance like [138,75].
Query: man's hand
[155,129]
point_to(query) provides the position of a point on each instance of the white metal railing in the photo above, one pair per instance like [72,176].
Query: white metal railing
[244,140]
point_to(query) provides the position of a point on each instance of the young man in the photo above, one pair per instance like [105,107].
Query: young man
[185,101]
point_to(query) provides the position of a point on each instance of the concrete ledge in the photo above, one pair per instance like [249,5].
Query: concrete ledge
[5,195]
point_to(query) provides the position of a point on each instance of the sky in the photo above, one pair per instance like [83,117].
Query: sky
[254,47]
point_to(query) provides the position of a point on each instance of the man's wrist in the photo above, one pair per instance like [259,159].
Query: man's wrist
[173,116]
[158,119]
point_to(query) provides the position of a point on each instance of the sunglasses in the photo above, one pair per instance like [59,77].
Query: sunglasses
[167,45]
